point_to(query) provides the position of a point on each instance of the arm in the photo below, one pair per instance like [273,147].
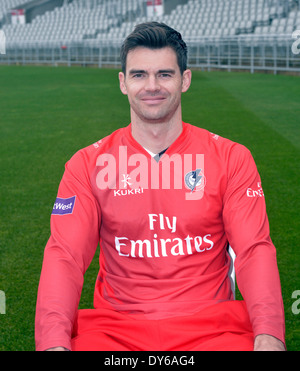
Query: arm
[68,253]
[247,229]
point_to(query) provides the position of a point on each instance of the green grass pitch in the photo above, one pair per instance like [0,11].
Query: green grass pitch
[48,113]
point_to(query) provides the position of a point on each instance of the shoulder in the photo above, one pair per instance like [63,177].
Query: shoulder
[222,153]
[217,143]
[87,156]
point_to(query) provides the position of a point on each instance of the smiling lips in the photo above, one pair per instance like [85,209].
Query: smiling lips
[155,99]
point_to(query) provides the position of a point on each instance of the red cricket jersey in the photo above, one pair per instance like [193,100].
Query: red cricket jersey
[163,229]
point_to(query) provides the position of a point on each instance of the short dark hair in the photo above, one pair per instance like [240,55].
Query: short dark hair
[155,35]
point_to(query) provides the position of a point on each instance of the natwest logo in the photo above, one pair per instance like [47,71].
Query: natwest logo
[63,206]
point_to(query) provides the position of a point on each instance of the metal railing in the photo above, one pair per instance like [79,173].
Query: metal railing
[264,52]
[250,52]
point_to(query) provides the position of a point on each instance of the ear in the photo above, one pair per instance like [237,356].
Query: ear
[186,80]
[122,83]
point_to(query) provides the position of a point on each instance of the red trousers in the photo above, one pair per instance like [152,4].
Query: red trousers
[222,327]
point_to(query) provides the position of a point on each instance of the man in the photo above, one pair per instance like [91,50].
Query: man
[163,198]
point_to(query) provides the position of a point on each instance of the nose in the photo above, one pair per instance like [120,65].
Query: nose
[152,84]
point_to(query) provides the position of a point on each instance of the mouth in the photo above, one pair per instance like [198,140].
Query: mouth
[153,99]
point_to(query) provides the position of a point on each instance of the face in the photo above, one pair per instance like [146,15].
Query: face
[154,84]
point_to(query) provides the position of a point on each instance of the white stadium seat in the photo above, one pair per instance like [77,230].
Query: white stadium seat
[102,19]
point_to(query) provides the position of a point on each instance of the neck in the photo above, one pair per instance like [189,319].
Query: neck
[156,136]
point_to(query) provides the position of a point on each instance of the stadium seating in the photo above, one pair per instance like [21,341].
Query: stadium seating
[226,18]
[75,21]
[107,19]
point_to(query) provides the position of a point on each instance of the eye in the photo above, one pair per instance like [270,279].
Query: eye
[137,75]
[165,75]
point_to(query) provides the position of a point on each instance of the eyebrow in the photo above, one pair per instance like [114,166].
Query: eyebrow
[132,72]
